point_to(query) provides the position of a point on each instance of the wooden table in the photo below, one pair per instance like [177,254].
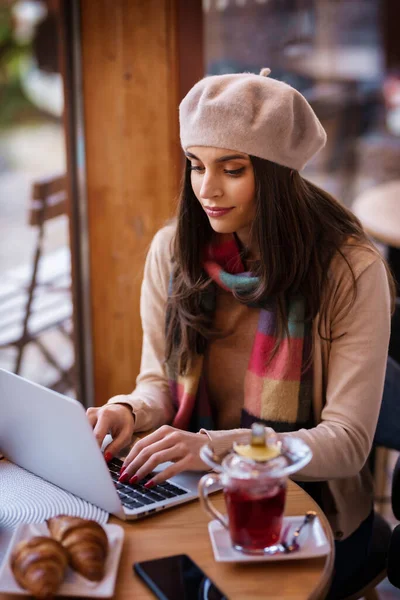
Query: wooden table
[378,209]
[184,530]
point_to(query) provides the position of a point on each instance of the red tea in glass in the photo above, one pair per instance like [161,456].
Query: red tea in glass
[255,516]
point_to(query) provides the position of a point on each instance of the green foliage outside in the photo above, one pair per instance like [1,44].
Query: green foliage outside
[14,105]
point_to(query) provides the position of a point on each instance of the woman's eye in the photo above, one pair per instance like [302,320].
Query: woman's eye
[235,171]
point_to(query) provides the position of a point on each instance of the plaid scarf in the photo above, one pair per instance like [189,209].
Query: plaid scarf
[277,392]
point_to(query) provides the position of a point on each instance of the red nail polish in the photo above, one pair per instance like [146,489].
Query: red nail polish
[133,479]
[150,484]
[108,456]
[122,471]
[123,478]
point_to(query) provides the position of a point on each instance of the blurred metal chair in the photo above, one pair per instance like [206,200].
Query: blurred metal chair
[37,300]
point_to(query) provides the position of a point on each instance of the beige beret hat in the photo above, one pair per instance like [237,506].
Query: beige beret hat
[254,114]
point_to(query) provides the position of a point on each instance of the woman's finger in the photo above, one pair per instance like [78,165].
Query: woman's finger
[161,434]
[173,454]
[120,440]
[91,414]
[181,465]
[140,459]
[101,428]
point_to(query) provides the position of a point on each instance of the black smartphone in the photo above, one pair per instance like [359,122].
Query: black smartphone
[177,578]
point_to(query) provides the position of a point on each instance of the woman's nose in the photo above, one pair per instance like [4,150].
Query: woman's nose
[210,187]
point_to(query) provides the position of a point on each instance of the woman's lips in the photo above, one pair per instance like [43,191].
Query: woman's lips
[216,212]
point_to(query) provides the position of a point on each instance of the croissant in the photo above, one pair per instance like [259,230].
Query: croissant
[39,565]
[85,542]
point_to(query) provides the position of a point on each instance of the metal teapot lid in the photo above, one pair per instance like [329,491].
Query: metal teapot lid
[263,445]
[267,455]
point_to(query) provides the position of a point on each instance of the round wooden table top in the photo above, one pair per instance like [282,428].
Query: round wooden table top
[378,209]
[183,530]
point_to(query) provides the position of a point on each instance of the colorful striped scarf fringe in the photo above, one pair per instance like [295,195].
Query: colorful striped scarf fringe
[277,392]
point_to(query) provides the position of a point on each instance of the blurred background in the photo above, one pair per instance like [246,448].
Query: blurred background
[333,51]
[72,172]
[32,149]
[341,54]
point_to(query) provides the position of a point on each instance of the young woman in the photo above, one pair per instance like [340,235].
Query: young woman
[264,301]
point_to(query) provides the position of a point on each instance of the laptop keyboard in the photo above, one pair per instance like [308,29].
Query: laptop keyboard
[137,496]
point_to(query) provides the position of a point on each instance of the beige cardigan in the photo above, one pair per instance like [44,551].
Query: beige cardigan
[349,369]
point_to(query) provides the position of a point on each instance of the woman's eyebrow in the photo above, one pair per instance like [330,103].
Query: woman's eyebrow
[221,158]
[230,157]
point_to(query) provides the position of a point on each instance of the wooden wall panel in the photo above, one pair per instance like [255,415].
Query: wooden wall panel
[131,92]
[390,18]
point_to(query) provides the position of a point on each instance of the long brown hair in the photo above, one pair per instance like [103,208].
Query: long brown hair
[298,228]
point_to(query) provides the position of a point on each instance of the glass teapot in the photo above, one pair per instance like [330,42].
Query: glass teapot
[254,479]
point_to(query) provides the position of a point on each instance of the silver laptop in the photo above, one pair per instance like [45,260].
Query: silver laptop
[49,435]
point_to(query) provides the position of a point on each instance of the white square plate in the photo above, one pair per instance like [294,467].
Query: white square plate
[313,542]
[74,584]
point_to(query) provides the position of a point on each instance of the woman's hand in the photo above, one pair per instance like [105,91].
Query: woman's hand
[116,419]
[165,444]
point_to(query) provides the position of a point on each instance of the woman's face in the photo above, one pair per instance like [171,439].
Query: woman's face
[223,183]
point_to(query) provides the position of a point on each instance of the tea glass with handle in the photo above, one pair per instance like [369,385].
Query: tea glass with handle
[255,494]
